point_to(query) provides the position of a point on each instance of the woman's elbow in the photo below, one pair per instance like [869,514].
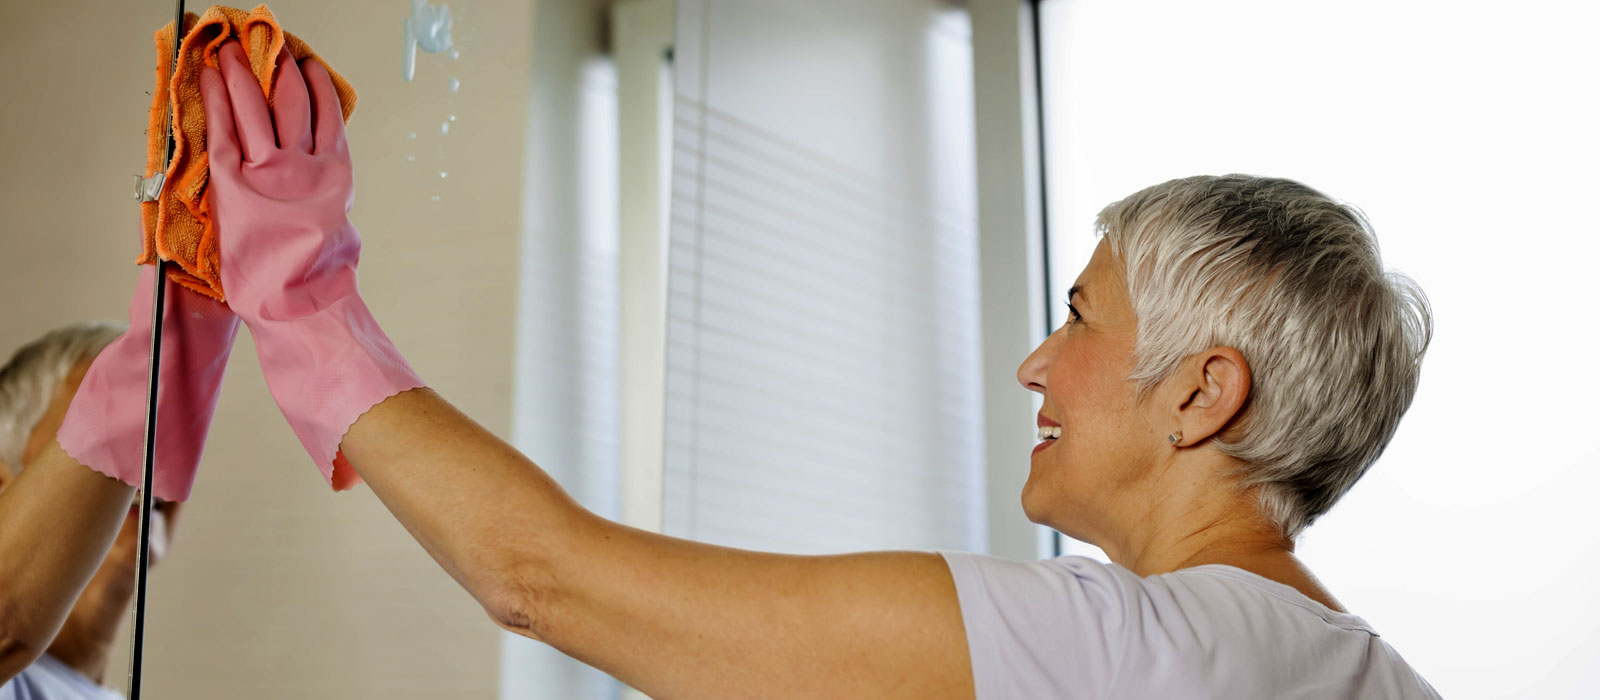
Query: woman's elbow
[19,648]
[534,589]
[521,600]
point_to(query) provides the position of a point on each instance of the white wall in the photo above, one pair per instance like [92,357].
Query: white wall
[1466,131]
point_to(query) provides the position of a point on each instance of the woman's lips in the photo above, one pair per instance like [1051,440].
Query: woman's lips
[1046,426]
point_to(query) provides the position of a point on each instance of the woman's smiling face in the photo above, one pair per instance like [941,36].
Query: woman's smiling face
[1107,439]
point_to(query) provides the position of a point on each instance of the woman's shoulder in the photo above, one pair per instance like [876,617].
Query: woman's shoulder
[1224,581]
[1219,588]
[1033,584]
[1214,627]
[1040,629]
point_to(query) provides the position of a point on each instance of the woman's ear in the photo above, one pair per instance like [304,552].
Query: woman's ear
[1215,385]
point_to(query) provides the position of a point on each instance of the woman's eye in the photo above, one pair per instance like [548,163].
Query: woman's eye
[1072,314]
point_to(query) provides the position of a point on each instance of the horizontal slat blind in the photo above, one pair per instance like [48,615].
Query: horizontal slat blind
[822,388]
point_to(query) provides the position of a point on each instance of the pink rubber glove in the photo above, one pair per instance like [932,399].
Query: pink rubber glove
[104,426]
[281,199]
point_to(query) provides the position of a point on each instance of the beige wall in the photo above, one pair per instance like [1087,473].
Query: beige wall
[277,587]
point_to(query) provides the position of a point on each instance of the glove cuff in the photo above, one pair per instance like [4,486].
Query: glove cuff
[327,369]
[104,425]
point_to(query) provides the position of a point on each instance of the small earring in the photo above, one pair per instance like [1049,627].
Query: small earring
[1174,437]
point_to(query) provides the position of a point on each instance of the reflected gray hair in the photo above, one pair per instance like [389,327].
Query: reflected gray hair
[29,380]
[1292,280]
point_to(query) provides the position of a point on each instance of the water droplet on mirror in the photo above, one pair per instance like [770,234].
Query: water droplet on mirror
[452,117]
[428,28]
[455,85]
[436,198]
[413,134]
[443,174]
[444,128]
[411,159]
[454,54]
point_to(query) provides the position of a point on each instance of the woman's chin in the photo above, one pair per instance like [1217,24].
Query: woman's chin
[125,551]
[1035,504]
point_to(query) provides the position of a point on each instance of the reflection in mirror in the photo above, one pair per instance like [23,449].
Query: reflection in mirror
[274,586]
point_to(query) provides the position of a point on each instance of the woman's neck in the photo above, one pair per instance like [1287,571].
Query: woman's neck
[1192,525]
[1167,545]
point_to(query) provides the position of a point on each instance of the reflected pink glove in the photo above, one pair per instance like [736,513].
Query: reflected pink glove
[104,426]
[281,198]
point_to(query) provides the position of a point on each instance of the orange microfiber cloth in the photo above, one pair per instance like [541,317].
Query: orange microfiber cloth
[178,226]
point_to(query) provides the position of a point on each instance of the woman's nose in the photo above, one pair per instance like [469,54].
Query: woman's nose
[1031,375]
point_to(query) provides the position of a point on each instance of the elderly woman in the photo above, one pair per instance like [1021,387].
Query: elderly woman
[57,521]
[1235,358]
[72,440]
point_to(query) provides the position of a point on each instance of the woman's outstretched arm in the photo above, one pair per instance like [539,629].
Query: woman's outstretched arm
[57,520]
[673,618]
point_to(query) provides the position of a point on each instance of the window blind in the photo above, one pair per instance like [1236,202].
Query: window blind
[822,352]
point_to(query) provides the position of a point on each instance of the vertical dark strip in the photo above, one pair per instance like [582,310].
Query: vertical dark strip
[1034,22]
[136,662]
[1044,169]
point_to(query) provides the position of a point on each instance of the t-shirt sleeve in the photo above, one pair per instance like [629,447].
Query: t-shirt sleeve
[1050,629]
[49,679]
[16,689]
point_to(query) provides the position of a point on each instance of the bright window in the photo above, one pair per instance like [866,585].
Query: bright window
[1467,133]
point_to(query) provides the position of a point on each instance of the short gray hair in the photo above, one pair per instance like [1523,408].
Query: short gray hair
[1292,280]
[29,380]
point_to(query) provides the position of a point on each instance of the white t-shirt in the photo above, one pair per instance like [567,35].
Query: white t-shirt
[50,679]
[1073,627]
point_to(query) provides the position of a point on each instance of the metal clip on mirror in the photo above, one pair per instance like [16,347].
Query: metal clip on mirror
[148,189]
